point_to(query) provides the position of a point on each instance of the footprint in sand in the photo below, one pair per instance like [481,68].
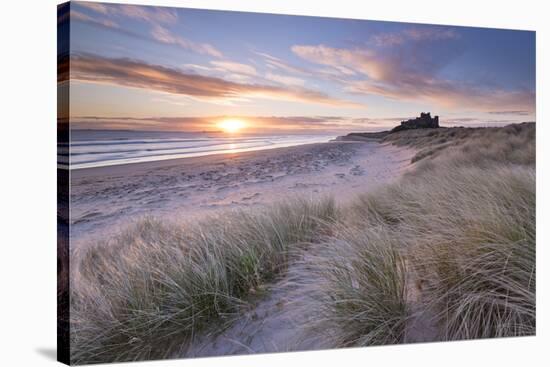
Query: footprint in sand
[357,171]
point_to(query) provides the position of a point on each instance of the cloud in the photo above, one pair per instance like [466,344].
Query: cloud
[408,74]
[240,72]
[414,34]
[63,68]
[517,113]
[158,34]
[150,14]
[302,122]
[377,66]
[156,17]
[447,94]
[345,62]
[138,74]
[163,35]
[196,67]
[386,121]
[146,123]
[480,98]
[277,63]
[284,79]
[76,15]
[234,67]
[209,123]
[97,7]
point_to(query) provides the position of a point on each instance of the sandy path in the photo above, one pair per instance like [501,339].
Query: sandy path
[269,325]
[275,322]
[104,199]
[278,321]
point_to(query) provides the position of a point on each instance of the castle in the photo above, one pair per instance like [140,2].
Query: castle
[425,121]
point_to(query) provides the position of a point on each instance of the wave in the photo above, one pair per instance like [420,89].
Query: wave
[93,149]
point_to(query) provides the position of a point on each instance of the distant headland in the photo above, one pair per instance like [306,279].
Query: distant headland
[424,121]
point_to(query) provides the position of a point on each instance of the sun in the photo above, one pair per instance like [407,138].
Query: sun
[231,125]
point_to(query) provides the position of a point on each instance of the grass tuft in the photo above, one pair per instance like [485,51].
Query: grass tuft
[357,288]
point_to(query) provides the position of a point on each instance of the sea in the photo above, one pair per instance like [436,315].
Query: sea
[98,148]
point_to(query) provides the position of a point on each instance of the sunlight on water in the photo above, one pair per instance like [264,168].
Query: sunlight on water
[107,148]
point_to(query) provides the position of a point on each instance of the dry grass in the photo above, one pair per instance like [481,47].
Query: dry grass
[355,287]
[467,236]
[463,222]
[470,235]
[461,226]
[147,292]
[512,144]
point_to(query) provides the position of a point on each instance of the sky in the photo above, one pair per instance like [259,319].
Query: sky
[176,69]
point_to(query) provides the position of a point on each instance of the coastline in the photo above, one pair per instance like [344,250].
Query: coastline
[103,148]
[103,198]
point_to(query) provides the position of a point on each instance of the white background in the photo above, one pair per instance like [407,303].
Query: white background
[28,181]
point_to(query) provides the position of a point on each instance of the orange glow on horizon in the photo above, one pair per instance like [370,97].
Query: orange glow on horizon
[231,125]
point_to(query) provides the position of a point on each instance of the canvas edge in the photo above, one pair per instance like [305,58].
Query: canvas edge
[63,182]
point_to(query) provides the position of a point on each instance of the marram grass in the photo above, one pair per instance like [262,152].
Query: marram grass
[148,291]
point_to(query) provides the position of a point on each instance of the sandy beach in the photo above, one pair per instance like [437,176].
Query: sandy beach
[104,198]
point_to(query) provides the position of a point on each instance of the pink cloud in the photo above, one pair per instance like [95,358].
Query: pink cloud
[137,74]
[394,76]
[154,16]
[345,61]
[97,7]
[76,15]
[414,34]
[205,123]
[285,79]
[150,14]
[234,67]
[163,35]
[273,62]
